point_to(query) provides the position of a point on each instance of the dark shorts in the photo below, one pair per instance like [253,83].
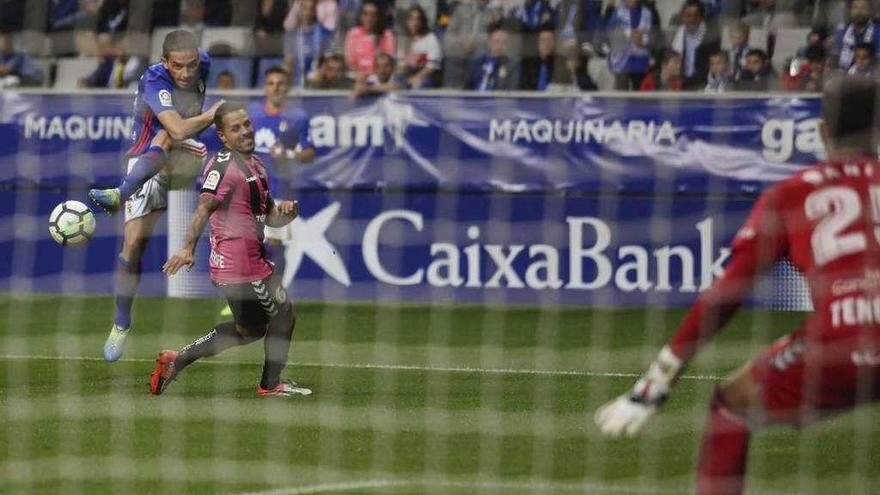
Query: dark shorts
[253,304]
[802,381]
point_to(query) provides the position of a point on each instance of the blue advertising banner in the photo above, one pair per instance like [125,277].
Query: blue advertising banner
[569,200]
[609,144]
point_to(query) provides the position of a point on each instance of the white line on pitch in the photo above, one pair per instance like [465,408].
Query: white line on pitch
[372,366]
[586,487]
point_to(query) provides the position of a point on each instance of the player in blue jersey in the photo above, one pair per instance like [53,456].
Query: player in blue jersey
[281,130]
[168,113]
[281,134]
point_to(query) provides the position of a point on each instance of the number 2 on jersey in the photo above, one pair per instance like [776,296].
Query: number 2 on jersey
[839,207]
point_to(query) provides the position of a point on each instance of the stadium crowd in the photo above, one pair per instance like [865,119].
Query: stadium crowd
[375,46]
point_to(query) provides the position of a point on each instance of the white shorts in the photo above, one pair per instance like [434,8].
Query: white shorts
[152,196]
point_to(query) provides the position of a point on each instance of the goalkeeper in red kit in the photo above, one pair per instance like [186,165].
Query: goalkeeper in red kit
[826,221]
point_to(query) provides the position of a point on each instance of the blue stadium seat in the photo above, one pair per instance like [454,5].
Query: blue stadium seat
[240,67]
[265,63]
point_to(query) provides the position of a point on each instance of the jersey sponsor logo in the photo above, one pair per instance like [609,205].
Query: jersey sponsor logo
[165,98]
[865,358]
[212,180]
[264,139]
[217,260]
[789,355]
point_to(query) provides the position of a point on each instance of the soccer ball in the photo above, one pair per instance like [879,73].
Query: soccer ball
[71,224]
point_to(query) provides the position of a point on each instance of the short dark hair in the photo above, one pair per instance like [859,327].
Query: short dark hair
[816,53]
[276,69]
[385,55]
[849,109]
[226,108]
[695,3]
[180,40]
[757,52]
[494,27]
[865,46]
[721,53]
[330,56]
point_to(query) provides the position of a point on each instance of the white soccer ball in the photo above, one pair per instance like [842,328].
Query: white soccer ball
[71,224]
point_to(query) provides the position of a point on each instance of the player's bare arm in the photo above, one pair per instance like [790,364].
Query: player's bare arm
[282,213]
[185,257]
[180,129]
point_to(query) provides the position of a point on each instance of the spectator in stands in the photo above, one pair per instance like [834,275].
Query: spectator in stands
[531,15]
[326,12]
[419,53]
[85,28]
[817,36]
[629,29]
[225,80]
[117,68]
[269,26]
[758,74]
[815,70]
[579,21]
[304,44]
[402,8]
[465,38]
[113,16]
[719,79]
[538,71]
[668,78]
[864,61]
[695,42]
[365,40]
[192,16]
[861,29]
[331,73]
[739,47]
[495,70]
[444,14]
[16,67]
[575,75]
[62,14]
[384,78]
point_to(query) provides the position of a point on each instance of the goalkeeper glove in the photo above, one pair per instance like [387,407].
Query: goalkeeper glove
[627,414]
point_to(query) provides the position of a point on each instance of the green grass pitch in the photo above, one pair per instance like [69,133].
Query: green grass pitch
[408,399]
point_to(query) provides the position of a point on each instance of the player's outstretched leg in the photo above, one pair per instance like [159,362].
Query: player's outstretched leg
[277,346]
[127,279]
[144,167]
[170,363]
[722,465]
[128,276]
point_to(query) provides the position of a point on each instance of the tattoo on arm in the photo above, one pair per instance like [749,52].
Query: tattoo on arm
[207,205]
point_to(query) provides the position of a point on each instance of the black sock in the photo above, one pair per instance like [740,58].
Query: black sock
[222,337]
[277,346]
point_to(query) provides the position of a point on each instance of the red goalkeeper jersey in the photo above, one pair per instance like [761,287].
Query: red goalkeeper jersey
[826,221]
